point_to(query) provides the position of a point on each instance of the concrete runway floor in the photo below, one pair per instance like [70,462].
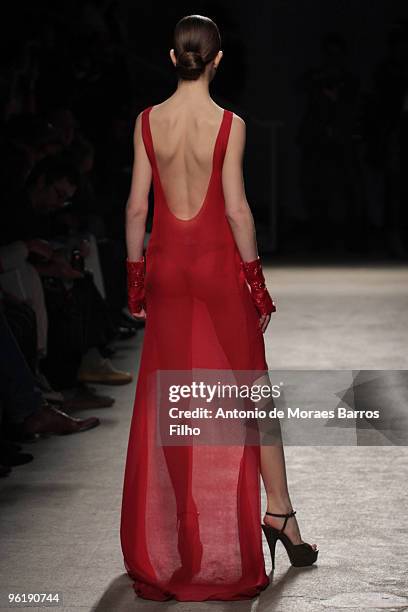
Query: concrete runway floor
[60,513]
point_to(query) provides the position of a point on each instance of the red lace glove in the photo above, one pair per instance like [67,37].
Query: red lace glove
[259,293]
[135,285]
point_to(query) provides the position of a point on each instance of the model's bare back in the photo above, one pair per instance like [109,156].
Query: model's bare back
[184,139]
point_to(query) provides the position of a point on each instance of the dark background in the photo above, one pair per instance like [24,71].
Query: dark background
[325,158]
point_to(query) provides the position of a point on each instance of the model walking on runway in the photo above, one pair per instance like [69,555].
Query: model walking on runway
[190,523]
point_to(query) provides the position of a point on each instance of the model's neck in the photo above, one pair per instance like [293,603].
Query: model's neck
[194,91]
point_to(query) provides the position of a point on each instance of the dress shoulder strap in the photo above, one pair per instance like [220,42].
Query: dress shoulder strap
[224,135]
[146,134]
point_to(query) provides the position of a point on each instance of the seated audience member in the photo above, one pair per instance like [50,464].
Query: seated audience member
[26,414]
[33,215]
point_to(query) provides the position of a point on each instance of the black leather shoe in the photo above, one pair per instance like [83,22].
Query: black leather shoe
[13,459]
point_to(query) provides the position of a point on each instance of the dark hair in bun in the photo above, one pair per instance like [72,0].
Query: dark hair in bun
[196,42]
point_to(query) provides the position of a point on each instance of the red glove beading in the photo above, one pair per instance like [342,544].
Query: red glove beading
[135,285]
[259,293]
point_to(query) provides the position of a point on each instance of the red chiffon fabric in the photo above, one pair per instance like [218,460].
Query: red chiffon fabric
[190,523]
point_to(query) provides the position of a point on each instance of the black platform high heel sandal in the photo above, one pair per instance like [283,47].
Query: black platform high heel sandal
[299,555]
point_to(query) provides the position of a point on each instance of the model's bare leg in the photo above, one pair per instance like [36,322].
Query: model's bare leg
[272,456]
[273,472]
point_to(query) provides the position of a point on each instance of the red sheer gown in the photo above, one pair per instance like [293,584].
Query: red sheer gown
[191,517]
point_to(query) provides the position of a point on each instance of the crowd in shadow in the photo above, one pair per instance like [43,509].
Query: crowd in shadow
[352,141]
[67,112]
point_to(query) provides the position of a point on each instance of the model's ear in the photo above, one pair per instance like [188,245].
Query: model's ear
[219,55]
[173,57]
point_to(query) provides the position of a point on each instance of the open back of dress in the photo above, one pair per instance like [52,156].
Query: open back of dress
[190,523]
[184,153]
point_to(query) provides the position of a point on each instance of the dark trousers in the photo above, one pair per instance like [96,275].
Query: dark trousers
[78,319]
[18,392]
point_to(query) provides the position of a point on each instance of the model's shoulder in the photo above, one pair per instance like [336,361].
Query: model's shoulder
[235,119]
[238,125]
[147,109]
[238,119]
[141,113]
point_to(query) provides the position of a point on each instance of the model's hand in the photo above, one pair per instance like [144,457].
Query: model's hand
[264,322]
[135,286]
[259,293]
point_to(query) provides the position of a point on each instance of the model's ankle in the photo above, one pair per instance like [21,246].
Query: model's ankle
[279,505]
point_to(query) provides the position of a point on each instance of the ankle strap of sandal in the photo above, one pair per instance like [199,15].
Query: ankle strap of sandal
[285,516]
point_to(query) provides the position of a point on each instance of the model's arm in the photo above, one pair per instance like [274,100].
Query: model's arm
[237,208]
[138,201]
[241,220]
